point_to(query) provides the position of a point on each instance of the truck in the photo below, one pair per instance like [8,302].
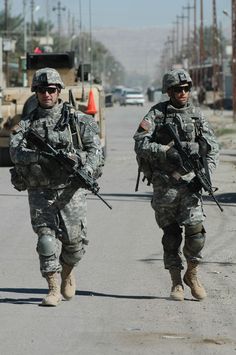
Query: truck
[15,102]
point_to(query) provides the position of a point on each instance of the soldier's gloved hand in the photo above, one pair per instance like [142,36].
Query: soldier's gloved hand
[87,169]
[85,178]
[194,185]
[173,157]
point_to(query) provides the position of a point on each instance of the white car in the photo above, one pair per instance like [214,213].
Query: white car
[132,97]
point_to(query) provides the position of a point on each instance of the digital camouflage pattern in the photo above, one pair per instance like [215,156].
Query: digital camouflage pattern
[167,190]
[174,203]
[63,212]
[175,77]
[45,77]
[57,208]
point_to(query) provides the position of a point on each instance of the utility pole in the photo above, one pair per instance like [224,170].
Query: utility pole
[69,31]
[215,52]
[176,36]
[6,52]
[25,28]
[188,8]
[174,41]
[234,58]
[81,51]
[201,47]
[59,9]
[32,24]
[182,17]
[182,49]
[177,29]
[90,43]
[47,25]
[195,51]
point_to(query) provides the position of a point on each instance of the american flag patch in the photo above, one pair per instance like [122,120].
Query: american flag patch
[145,125]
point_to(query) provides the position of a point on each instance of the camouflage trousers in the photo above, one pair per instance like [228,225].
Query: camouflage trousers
[176,206]
[59,216]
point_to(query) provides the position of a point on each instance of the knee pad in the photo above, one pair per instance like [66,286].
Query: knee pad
[73,253]
[47,245]
[172,237]
[192,230]
[194,240]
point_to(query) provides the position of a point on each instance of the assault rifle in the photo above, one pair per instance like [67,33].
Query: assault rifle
[69,164]
[192,162]
[67,115]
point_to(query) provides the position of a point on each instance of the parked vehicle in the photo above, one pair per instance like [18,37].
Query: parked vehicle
[117,92]
[132,97]
[17,99]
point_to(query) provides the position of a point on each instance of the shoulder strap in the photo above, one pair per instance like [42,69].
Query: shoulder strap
[75,132]
[165,111]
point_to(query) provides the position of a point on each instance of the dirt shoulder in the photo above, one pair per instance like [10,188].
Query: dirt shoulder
[224,126]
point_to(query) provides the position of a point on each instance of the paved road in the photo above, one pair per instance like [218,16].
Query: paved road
[122,303]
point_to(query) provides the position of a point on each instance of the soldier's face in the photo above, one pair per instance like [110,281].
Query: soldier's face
[179,95]
[47,96]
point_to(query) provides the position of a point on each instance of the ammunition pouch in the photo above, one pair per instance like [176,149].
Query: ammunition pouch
[17,179]
[146,168]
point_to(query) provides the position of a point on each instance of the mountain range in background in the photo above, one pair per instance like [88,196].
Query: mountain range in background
[138,50]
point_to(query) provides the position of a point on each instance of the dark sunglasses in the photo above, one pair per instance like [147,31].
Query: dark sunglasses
[44,89]
[179,89]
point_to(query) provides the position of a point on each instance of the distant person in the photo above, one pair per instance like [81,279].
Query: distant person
[150,93]
[177,194]
[57,201]
[201,95]
[194,97]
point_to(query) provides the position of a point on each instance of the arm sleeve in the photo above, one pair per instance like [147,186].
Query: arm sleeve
[213,151]
[19,152]
[91,144]
[144,146]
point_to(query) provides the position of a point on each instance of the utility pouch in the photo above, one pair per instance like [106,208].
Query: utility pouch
[17,180]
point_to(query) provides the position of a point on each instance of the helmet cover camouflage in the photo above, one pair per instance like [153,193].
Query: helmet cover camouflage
[175,77]
[45,77]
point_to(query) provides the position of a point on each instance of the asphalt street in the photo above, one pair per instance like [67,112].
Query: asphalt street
[122,303]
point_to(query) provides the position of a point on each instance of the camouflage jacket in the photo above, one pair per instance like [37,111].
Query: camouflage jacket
[150,143]
[50,174]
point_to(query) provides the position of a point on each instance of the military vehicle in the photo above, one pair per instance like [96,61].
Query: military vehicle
[18,101]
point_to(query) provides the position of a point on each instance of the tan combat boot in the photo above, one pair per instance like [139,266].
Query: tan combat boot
[53,297]
[191,280]
[177,290]
[68,286]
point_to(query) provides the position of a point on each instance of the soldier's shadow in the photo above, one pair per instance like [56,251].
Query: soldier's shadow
[36,300]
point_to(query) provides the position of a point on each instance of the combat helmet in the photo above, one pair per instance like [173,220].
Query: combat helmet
[45,77]
[175,77]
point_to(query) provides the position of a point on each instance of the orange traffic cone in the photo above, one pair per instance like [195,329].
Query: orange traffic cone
[91,109]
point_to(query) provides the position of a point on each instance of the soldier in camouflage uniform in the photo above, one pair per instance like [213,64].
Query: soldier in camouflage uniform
[57,206]
[176,199]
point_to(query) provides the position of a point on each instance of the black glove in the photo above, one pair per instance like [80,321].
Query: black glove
[194,185]
[173,157]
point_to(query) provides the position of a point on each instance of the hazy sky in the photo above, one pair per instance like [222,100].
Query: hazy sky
[123,13]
